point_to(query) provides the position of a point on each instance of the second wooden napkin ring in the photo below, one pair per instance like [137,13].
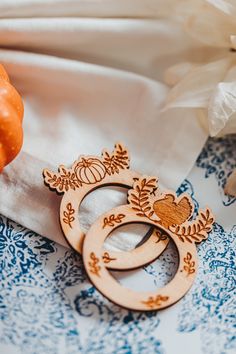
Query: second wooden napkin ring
[87,174]
[171,213]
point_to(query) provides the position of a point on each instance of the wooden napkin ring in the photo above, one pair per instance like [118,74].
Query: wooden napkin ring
[87,174]
[168,212]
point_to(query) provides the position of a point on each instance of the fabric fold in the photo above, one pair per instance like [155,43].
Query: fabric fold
[74,108]
[144,46]
[85,8]
[91,75]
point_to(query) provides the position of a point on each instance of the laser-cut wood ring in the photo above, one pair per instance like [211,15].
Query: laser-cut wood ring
[87,174]
[171,213]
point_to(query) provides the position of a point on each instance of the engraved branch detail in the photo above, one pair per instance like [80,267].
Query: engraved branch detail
[69,215]
[140,195]
[118,159]
[189,266]
[63,180]
[112,220]
[106,258]
[160,235]
[94,264]
[197,230]
[154,302]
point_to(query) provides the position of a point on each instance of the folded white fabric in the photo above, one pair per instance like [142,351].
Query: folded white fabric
[88,8]
[89,83]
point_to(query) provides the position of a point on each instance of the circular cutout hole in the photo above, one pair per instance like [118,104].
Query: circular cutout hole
[106,198]
[153,276]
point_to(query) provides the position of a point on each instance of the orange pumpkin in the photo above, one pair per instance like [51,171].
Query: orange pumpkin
[90,170]
[11,116]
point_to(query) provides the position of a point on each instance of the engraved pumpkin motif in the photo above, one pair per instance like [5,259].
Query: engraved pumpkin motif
[90,170]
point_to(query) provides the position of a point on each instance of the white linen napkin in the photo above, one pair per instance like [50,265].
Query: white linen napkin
[89,83]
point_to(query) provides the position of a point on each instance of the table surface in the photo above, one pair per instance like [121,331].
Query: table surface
[47,304]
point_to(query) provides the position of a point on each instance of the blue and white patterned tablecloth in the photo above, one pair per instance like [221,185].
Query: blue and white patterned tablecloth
[47,305]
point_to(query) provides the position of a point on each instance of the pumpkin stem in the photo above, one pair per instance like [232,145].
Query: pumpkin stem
[85,162]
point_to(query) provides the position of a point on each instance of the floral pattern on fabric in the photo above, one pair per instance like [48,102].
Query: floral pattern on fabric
[38,314]
[47,305]
[218,158]
[213,296]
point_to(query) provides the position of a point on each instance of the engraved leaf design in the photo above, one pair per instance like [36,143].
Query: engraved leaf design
[139,197]
[62,181]
[189,266]
[112,220]
[106,258]
[197,230]
[153,302]
[161,236]
[94,264]
[117,160]
[68,215]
